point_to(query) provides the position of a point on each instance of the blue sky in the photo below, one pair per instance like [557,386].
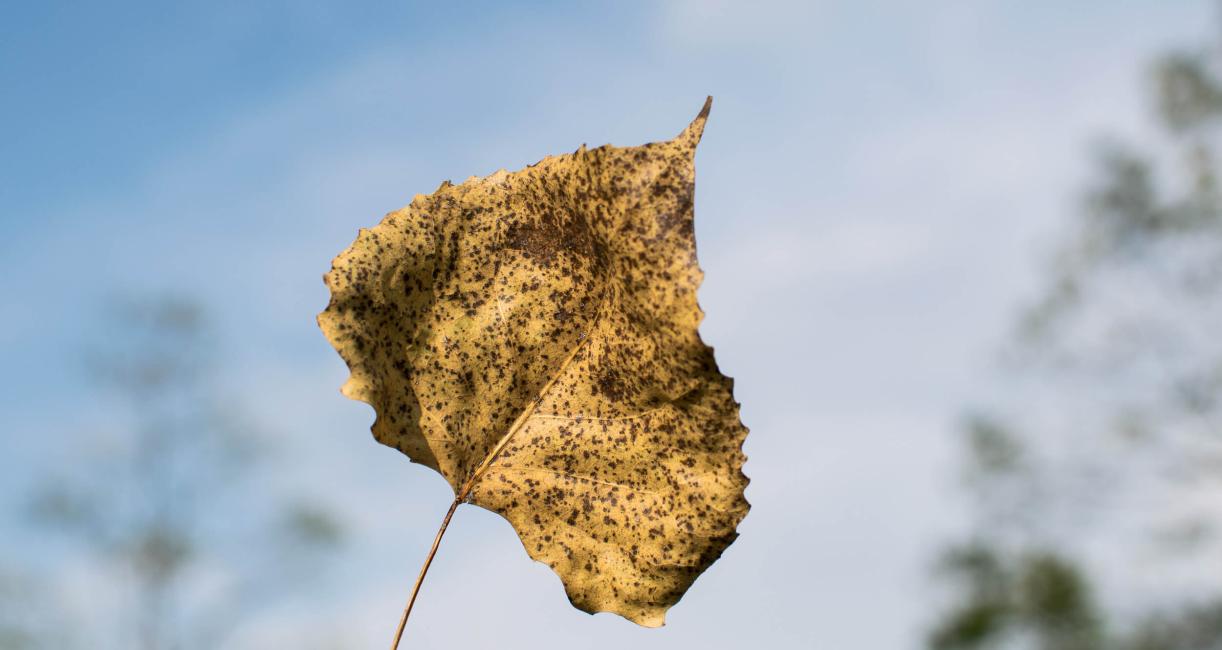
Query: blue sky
[875,186]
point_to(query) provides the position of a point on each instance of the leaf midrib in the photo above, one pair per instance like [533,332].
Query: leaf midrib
[518,423]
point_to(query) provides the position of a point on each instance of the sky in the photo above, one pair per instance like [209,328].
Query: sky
[876,186]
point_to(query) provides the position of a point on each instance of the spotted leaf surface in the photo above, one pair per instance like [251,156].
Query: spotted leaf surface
[532,336]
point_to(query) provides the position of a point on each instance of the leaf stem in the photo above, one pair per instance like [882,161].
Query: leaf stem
[423,570]
[475,475]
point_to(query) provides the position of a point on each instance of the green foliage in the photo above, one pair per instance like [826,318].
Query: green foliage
[1038,596]
[1056,601]
[985,613]
[1189,97]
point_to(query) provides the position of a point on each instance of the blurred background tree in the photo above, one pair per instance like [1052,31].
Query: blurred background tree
[166,501]
[1096,473]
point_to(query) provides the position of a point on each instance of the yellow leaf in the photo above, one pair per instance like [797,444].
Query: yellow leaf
[532,336]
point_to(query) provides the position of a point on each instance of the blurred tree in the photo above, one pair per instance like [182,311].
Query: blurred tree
[166,496]
[1098,478]
[1039,597]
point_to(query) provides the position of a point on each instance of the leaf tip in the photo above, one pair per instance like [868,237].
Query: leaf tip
[696,128]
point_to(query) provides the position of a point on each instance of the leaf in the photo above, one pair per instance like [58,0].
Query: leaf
[532,336]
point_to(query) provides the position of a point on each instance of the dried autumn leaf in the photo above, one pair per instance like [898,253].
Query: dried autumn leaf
[532,336]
